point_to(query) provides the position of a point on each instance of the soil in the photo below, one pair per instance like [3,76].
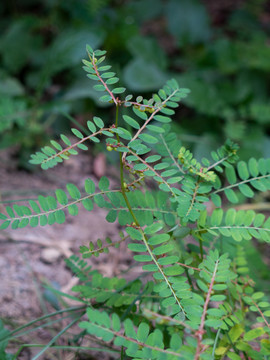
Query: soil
[31,257]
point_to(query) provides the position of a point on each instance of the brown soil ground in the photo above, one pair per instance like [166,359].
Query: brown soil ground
[31,257]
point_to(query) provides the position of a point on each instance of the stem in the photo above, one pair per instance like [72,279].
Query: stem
[101,80]
[61,207]
[215,344]
[65,347]
[189,279]
[200,331]
[56,337]
[151,117]
[171,155]
[217,163]
[123,189]
[241,182]
[201,248]
[259,310]
[40,319]
[145,240]
[166,318]
[76,144]
[99,250]
[187,266]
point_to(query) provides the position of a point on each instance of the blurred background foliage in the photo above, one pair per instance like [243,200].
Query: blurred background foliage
[218,49]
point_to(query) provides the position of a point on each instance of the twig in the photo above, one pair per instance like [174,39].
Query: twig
[200,331]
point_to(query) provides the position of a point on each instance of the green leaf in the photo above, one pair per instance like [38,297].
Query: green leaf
[163,249]
[89,186]
[105,98]
[43,203]
[243,170]
[34,221]
[124,134]
[175,342]
[137,247]
[214,323]
[231,196]
[153,228]
[3,217]
[61,197]
[111,216]
[253,167]
[77,133]
[142,258]
[119,90]
[158,239]
[112,81]
[73,210]
[257,295]
[107,75]
[89,49]
[82,147]
[156,129]
[60,216]
[254,333]
[246,190]
[230,174]
[99,87]
[91,126]
[143,331]
[162,119]
[65,140]
[216,199]
[5,225]
[152,158]
[73,191]
[134,233]
[116,324]
[168,260]
[140,113]
[217,297]
[216,217]
[148,138]
[88,204]
[104,183]
[98,121]
[131,122]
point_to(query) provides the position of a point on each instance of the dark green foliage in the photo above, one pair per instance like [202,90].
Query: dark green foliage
[195,298]
[41,83]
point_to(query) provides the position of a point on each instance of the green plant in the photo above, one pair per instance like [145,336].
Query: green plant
[202,301]
[41,80]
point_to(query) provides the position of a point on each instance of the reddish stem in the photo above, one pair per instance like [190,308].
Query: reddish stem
[200,331]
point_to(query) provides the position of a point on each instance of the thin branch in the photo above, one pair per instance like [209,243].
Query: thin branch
[260,311]
[171,155]
[92,58]
[62,207]
[167,318]
[190,267]
[150,118]
[217,163]
[193,197]
[241,182]
[99,250]
[231,227]
[152,169]
[74,145]
[139,343]
[200,331]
